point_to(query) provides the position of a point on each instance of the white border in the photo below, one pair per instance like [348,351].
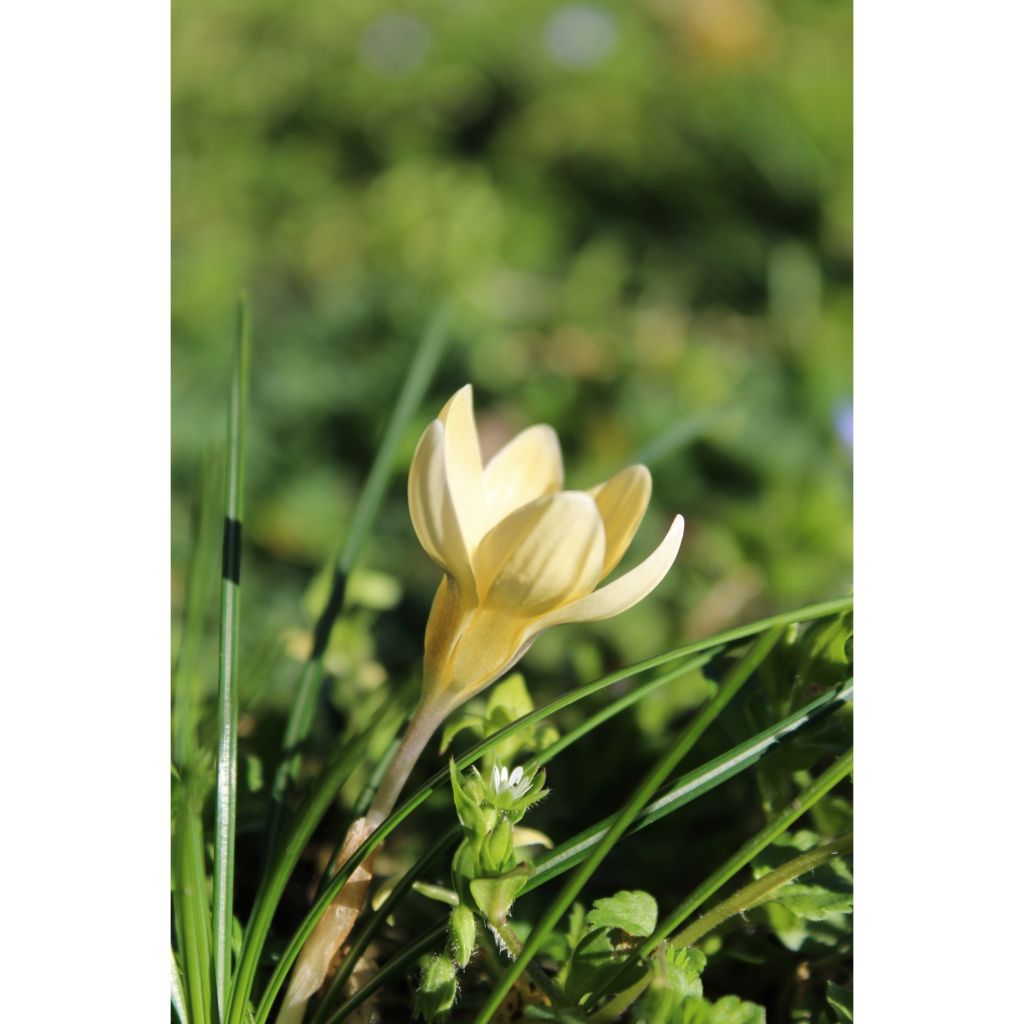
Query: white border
[938,511]
[84,418]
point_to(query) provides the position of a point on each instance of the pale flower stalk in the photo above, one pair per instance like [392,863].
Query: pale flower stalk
[519,556]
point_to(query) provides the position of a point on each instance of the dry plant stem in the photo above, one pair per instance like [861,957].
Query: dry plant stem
[339,918]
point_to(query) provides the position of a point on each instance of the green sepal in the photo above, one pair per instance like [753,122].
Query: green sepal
[438,987]
[461,934]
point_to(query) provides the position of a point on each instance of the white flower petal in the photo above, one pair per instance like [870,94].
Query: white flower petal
[542,555]
[622,502]
[433,510]
[529,466]
[621,594]
[463,466]
[515,777]
[495,779]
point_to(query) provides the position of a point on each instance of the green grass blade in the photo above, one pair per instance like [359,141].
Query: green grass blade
[641,795]
[617,707]
[761,890]
[192,909]
[743,856]
[178,992]
[300,718]
[308,816]
[377,919]
[690,786]
[227,680]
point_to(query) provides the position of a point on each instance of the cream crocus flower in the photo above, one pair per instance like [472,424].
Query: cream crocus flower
[519,554]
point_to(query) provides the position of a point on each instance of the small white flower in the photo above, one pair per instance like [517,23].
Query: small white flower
[515,784]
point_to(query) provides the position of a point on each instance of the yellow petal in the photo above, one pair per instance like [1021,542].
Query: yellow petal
[463,466]
[542,555]
[528,467]
[624,592]
[622,502]
[432,508]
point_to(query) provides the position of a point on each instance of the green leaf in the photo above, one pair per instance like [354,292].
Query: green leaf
[438,988]
[840,1001]
[675,981]
[634,911]
[814,902]
[733,1010]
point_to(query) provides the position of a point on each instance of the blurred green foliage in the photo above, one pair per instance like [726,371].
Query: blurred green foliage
[640,214]
[639,217]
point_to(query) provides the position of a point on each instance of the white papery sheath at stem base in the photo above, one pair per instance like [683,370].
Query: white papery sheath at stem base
[337,921]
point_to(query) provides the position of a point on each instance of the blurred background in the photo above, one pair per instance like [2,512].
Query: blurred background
[640,215]
[640,218]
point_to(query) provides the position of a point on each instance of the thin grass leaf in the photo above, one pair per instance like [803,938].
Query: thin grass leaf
[690,786]
[192,908]
[178,992]
[743,856]
[348,757]
[300,718]
[641,795]
[187,676]
[227,680]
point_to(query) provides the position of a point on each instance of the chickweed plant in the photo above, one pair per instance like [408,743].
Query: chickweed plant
[489,908]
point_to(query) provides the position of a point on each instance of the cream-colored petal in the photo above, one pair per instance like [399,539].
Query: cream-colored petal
[622,502]
[542,555]
[528,467]
[463,464]
[621,594]
[432,509]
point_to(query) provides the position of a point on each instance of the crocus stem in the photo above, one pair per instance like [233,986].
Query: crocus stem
[339,918]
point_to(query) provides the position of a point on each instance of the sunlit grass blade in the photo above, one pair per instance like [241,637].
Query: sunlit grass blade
[761,890]
[377,919]
[421,372]
[178,992]
[307,817]
[192,908]
[690,786]
[827,781]
[641,795]
[227,679]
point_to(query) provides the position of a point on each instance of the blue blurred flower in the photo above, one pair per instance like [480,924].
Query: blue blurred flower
[842,421]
